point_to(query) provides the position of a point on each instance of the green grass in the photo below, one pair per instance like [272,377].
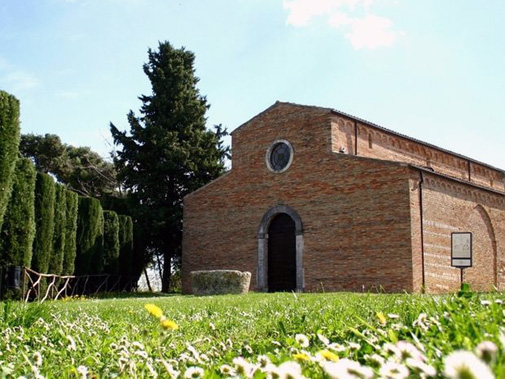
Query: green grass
[111,337]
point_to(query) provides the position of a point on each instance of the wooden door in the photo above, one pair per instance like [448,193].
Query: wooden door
[281,254]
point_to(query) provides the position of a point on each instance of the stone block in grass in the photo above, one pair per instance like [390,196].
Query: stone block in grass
[220,282]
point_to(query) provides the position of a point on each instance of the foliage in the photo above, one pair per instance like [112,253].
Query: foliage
[44,222]
[256,335]
[125,236]
[89,236]
[60,225]
[168,152]
[9,142]
[111,242]
[80,168]
[72,200]
[18,229]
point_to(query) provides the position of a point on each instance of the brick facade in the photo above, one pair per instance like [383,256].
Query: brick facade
[361,193]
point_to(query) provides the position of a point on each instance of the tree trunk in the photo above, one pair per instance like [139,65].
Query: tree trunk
[167,272]
[147,281]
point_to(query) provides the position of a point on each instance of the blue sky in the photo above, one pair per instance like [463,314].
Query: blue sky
[431,69]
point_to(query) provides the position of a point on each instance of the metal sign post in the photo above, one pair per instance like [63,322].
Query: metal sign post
[461,251]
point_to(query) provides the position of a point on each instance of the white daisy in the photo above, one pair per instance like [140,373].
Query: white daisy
[302,340]
[464,364]
[393,370]
[194,372]
[347,369]
[486,351]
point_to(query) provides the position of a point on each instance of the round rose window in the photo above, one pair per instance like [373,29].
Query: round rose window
[279,156]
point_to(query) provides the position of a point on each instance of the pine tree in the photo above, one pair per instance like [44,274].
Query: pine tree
[168,152]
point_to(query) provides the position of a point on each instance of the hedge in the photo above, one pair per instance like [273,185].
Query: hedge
[97,259]
[72,200]
[60,223]
[18,230]
[111,242]
[89,234]
[125,245]
[9,144]
[44,222]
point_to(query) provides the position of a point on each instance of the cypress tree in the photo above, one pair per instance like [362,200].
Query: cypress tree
[72,200]
[125,245]
[97,258]
[18,230]
[89,227]
[60,223]
[9,144]
[111,242]
[44,221]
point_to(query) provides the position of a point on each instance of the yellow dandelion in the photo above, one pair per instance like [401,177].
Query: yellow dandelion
[169,325]
[154,310]
[301,357]
[382,319]
[328,355]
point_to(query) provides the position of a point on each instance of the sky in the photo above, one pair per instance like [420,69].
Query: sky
[431,69]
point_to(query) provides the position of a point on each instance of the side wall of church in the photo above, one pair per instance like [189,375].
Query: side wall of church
[449,206]
[376,143]
[355,211]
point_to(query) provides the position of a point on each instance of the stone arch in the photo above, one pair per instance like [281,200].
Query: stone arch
[262,271]
[484,250]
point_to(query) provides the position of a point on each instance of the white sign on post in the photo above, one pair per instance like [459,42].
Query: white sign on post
[461,249]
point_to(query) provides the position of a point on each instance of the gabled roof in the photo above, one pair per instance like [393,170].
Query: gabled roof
[375,126]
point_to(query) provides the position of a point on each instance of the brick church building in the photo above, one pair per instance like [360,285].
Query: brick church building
[318,200]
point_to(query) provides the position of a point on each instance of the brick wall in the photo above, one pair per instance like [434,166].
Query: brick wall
[449,206]
[377,143]
[356,231]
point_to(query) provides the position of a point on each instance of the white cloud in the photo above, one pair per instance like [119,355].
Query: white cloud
[366,31]
[14,79]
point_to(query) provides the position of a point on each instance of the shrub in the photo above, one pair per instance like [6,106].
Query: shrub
[72,200]
[18,230]
[125,245]
[44,222]
[60,223]
[89,233]
[111,242]
[9,144]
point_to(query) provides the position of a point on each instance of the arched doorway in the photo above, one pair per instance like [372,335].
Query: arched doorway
[263,272]
[281,254]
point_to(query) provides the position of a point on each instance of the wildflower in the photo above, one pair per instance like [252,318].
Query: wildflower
[485,303]
[302,340]
[391,349]
[323,339]
[354,346]
[169,368]
[337,347]
[138,345]
[421,367]
[375,359]
[248,349]
[71,343]
[393,370]
[464,364]
[407,350]
[194,372]
[345,368]
[328,355]
[381,318]
[83,371]
[393,316]
[498,301]
[154,310]
[486,351]
[37,358]
[301,357]
[288,370]
[263,360]
[243,367]
[169,325]
[227,370]
[421,322]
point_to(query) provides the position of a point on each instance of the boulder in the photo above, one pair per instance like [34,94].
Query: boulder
[219,282]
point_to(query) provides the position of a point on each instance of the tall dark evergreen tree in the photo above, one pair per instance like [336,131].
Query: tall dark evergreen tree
[168,152]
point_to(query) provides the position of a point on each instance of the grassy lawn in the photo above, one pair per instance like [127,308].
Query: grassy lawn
[259,335]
